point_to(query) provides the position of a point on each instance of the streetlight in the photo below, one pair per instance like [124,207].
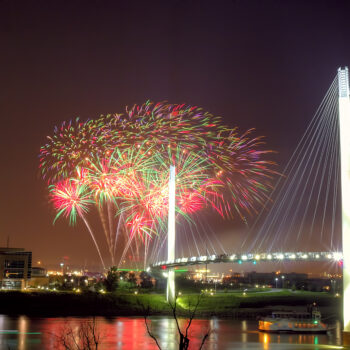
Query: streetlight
[276,279]
[282,281]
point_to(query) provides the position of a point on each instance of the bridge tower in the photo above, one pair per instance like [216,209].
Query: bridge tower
[170,293]
[344,126]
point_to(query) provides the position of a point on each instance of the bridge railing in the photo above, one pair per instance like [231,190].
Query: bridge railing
[250,257]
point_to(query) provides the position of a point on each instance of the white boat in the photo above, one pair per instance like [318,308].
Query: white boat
[291,321]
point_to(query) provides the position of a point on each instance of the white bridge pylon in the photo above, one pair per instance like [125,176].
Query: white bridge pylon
[170,293]
[344,127]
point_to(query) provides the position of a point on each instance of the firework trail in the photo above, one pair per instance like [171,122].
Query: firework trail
[71,200]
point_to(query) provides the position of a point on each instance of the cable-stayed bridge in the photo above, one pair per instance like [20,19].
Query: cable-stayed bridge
[311,201]
[304,211]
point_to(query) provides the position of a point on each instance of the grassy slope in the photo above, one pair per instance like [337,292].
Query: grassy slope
[221,304]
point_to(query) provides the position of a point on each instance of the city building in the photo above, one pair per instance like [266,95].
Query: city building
[38,272]
[39,277]
[15,268]
[205,275]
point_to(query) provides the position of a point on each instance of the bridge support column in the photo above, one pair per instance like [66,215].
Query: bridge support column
[170,294]
[344,127]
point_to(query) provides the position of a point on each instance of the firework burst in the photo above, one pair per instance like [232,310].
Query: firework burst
[70,199]
[120,165]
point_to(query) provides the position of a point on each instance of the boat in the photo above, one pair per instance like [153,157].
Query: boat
[292,321]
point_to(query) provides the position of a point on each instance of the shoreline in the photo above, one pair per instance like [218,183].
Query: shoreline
[230,305]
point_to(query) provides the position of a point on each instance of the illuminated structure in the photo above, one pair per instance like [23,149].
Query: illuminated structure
[15,268]
[344,126]
[250,258]
[171,235]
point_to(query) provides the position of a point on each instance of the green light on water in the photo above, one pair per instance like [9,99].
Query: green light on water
[16,332]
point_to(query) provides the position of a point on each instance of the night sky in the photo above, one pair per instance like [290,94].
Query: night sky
[258,64]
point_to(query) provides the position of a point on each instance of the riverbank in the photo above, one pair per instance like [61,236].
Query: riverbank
[230,304]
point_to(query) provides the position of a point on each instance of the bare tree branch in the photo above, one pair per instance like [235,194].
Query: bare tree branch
[151,334]
[184,340]
[173,308]
[192,313]
[206,335]
[146,313]
[86,337]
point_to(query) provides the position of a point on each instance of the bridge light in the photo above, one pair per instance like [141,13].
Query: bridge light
[240,261]
[257,257]
[280,256]
[292,256]
[244,257]
[304,256]
[254,262]
[269,256]
[317,256]
[232,257]
[337,256]
[329,256]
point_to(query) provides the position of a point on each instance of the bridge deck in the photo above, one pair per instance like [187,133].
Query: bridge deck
[253,258]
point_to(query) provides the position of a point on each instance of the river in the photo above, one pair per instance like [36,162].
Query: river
[33,333]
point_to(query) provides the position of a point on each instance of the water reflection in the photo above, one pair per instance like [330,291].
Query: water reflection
[244,331]
[130,333]
[264,338]
[23,328]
